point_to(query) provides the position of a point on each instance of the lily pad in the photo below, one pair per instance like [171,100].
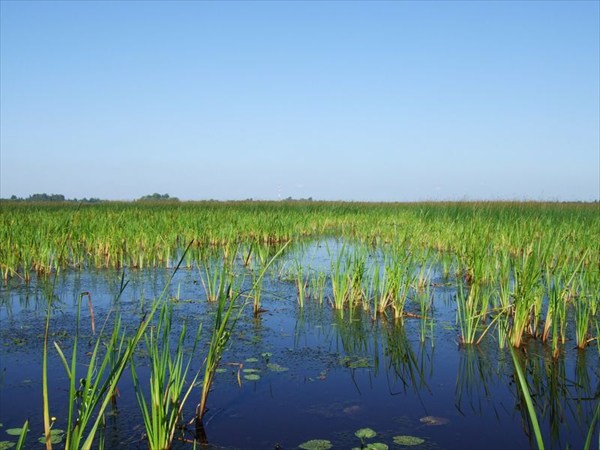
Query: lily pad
[377,446]
[5,445]
[252,377]
[365,433]
[56,437]
[355,362]
[408,440]
[251,360]
[434,420]
[14,431]
[316,444]
[251,370]
[221,370]
[276,367]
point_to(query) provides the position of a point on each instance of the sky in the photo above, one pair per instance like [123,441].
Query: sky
[358,101]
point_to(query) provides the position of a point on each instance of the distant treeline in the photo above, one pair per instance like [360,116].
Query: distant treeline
[157,197]
[52,198]
[61,198]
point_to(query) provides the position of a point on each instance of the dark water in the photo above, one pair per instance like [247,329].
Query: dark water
[323,375]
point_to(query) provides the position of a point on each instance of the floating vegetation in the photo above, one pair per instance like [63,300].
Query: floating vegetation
[356,362]
[368,433]
[252,377]
[276,367]
[408,440]
[56,436]
[365,433]
[14,431]
[316,444]
[434,420]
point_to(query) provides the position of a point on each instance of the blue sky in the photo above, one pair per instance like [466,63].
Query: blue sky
[369,101]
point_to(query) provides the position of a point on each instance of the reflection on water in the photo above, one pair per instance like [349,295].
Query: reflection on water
[322,373]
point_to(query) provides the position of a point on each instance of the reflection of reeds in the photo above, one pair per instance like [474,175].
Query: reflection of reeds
[524,388]
[473,380]
[402,361]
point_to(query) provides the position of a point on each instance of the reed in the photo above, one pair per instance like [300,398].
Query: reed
[317,285]
[399,281]
[527,294]
[168,373]
[301,283]
[221,332]
[215,278]
[90,395]
[341,281]
[471,306]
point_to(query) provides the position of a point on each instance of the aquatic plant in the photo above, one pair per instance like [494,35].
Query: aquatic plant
[527,294]
[221,332]
[301,283]
[316,444]
[471,309]
[215,279]
[168,374]
[341,281]
[317,285]
[91,394]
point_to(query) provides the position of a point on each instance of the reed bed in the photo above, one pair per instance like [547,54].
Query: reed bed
[525,270]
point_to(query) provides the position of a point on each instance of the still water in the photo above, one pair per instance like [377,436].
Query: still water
[315,373]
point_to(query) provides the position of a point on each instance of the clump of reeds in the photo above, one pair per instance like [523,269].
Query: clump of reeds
[168,373]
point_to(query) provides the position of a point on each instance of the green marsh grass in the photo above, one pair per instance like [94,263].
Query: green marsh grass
[90,395]
[400,280]
[301,283]
[317,282]
[341,281]
[168,379]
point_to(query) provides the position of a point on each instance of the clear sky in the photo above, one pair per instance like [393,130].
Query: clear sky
[376,101]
